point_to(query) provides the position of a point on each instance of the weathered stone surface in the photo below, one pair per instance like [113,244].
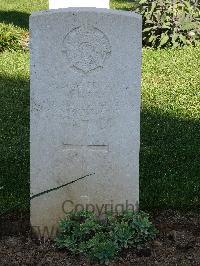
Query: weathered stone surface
[54,4]
[85,111]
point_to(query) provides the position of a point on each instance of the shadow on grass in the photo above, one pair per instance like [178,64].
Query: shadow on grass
[169,158]
[21,19]
[17,18]
[169,162]
[14,142]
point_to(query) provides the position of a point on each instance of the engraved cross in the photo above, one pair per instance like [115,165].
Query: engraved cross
[84,149]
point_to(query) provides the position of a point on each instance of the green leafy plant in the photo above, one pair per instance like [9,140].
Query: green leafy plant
[102,240]
[170,22]
[77,228]
[12,38]
[132,229]
[101,248]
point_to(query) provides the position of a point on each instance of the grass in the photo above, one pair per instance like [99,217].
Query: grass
[123,4]
[14,131]
[17,12]
[170,129]
[170,146]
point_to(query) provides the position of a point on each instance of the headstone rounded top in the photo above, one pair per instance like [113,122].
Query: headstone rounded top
[85,11]
[55,4]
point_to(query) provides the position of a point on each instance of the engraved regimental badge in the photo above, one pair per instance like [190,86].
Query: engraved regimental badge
[86,48]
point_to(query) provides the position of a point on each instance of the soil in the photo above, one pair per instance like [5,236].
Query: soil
[178,243]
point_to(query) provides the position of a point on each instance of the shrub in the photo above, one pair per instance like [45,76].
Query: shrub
[12,38]
[170,22]
[100,248]
[100,240]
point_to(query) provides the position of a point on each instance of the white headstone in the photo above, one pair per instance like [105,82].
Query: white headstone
[85,112]
[55,4]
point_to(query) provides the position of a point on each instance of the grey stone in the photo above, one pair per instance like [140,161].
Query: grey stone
[85,112]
